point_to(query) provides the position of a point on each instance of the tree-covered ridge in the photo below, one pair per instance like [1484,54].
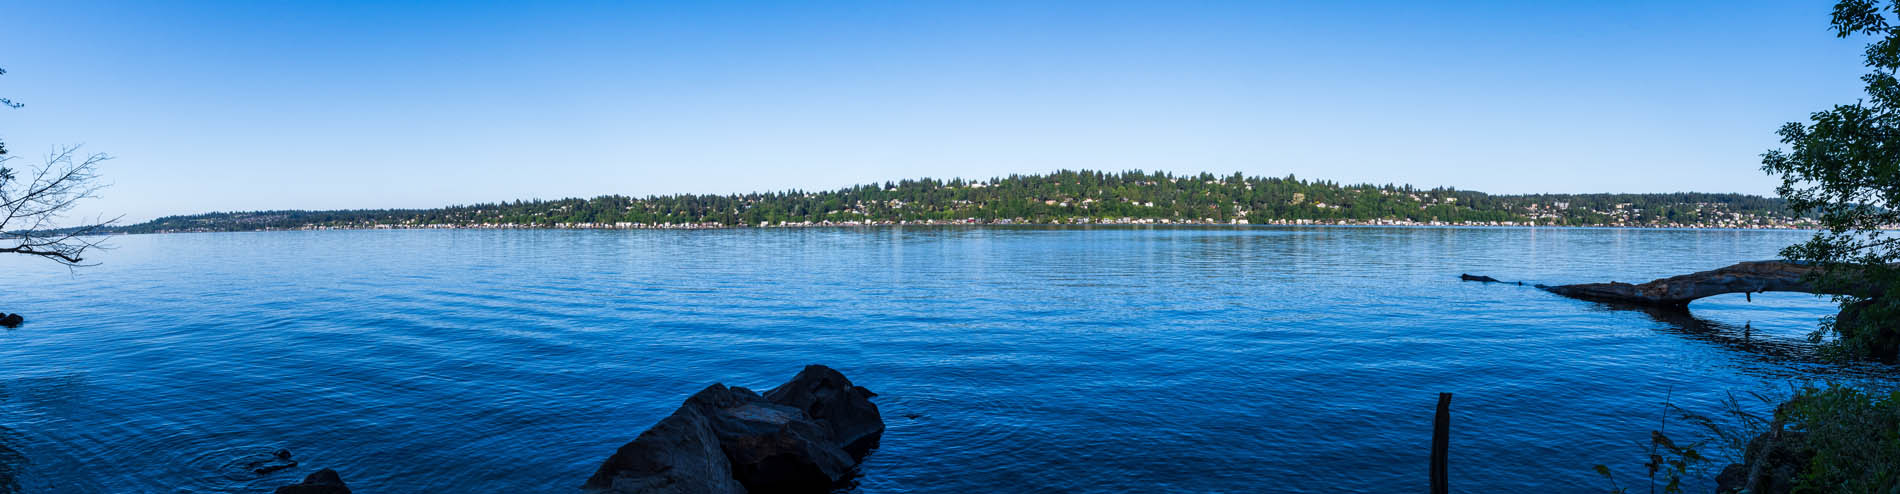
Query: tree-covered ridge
[1064,197]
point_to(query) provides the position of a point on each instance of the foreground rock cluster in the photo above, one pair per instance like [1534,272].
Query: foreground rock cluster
[325,481]
[806,435]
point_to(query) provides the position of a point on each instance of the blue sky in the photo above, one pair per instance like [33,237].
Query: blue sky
[267,105]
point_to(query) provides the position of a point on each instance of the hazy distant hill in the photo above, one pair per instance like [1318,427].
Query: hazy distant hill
[1061,197]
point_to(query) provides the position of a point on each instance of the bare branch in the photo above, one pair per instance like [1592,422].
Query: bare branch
[39,200]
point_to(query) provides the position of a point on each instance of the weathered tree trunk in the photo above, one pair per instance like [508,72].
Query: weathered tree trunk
[1747,277]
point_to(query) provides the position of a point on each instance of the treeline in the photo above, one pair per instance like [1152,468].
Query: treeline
[1060,197]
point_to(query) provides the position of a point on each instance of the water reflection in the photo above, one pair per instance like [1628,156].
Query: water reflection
[12,462]
[1682,322]
[1058,360]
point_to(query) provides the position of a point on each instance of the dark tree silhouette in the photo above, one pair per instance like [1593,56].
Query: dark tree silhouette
[33,203]
[4,102]
[1843,166]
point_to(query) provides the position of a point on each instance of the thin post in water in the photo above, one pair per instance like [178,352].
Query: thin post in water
[1441,437]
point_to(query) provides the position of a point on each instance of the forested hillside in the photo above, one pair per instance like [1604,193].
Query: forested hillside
[1063,197]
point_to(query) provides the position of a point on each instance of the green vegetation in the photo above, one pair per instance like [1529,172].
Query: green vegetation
[1671,463]
[1065,197]
[1844,169]
[1855,438]
[1821,439]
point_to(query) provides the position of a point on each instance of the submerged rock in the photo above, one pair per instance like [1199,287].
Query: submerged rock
[806,435]
[325,481]
[1472,277]
[276,460]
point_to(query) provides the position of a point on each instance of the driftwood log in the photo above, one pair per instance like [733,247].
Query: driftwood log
[1678,291]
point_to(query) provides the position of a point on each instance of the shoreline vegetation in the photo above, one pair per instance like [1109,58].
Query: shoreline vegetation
[978,223]
[1079,197]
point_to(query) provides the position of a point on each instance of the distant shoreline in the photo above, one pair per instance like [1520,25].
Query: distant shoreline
[1065,197]
[981,224]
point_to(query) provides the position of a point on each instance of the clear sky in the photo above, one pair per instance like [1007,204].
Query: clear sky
[268,105]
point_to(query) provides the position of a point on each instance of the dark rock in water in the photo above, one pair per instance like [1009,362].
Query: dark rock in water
[264,463]
[678,455]
[1486,279]
[773,447]
[12,320]
[827,397]
[325,481]
[806,435]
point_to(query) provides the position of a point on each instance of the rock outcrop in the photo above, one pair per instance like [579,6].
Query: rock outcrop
[827,397]
[325,481]
[806,435]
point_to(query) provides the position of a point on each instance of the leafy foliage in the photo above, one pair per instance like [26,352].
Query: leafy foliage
[1667,461]
[1855,436]
[1843,168]
[1729,431]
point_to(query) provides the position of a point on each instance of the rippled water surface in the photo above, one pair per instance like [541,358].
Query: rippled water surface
[1035,360]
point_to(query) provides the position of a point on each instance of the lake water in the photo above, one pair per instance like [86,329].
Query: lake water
[1005,359]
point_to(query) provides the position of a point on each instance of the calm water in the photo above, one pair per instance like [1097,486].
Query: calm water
[1032,360]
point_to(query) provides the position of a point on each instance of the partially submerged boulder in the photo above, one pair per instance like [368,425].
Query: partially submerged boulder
[806,435]
[325,481]
[11,320]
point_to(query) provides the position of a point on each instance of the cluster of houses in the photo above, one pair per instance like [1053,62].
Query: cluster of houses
[1715,216]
